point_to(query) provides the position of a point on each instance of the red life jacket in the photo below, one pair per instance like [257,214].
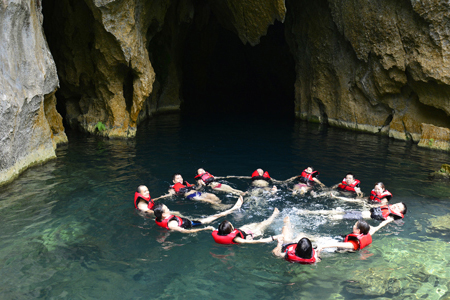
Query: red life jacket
[165,223]
[364,240]
[343,186]
[206,177]
[377,198]
[308,177]
[256,176]
[291,257]
[226,239]
[137,196]
[386,211]
[178,187]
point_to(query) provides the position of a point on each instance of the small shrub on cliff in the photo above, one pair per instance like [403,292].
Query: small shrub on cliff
[100,126]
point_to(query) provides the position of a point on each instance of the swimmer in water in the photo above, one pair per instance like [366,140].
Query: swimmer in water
[349,187]
[144,203]
[166,219]
[227,234]
[390,213]
[142,200]
[360,237]
[306,181]
[378,196]
[301,252]
[206,179]
[260,179]
[183,188]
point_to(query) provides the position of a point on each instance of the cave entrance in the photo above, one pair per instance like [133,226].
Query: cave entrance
[221,74]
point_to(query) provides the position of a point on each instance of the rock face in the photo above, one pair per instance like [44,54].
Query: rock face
[30,127]
[377,66]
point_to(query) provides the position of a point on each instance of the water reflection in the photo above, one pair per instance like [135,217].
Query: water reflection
[69,229]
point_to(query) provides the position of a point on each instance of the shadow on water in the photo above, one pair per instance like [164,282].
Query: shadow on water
[69,229]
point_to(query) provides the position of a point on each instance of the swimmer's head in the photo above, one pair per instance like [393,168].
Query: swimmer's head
[304,248]
[399,207]
[177,178]
[159,209]
[143,190]
[361,227]
[309,170]
[225,228]
[349,178]
[260,172]
[379,188]
[200,171]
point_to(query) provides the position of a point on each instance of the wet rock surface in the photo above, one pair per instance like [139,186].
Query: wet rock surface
[380,67]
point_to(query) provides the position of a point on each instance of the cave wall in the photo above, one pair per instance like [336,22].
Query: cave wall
[30,126]
[376,66]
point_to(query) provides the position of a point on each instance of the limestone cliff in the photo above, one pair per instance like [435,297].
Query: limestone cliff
[30,127]
[377,66]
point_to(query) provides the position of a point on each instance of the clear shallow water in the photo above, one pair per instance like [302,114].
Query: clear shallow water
[69,229]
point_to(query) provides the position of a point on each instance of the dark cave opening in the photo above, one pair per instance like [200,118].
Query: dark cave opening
[221,74]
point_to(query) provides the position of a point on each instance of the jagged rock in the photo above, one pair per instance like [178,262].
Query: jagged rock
[28,75]
[435,137]
[375,66]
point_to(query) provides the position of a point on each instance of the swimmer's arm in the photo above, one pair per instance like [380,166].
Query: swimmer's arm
[164,196]
[358,192]
[243,177]
[346,199]
[340,245]
[260,241]
[200,182]
[176,213]
[277,181]
[382,224]
[277,250]
[291,179]
[319,182]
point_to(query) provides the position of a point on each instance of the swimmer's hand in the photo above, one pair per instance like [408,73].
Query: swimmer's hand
[210,228]
[318,250]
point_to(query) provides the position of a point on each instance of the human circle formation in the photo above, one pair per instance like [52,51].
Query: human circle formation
[297,249]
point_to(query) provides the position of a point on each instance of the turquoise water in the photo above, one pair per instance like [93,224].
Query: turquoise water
[69,229]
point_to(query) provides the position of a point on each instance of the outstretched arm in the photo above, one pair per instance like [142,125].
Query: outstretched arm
[340,245]
[233,176]
[170,194]
[290,179]
[358,192]
[236,206]
[361,200]
[277,181]
[260,241]
[318,182]
[200,182]
[382,224]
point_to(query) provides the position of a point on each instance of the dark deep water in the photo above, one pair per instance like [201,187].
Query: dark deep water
[69,229]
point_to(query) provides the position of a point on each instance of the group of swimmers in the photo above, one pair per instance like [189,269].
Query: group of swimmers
[299,249]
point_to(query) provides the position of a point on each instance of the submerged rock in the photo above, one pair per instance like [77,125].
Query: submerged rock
[442,174]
